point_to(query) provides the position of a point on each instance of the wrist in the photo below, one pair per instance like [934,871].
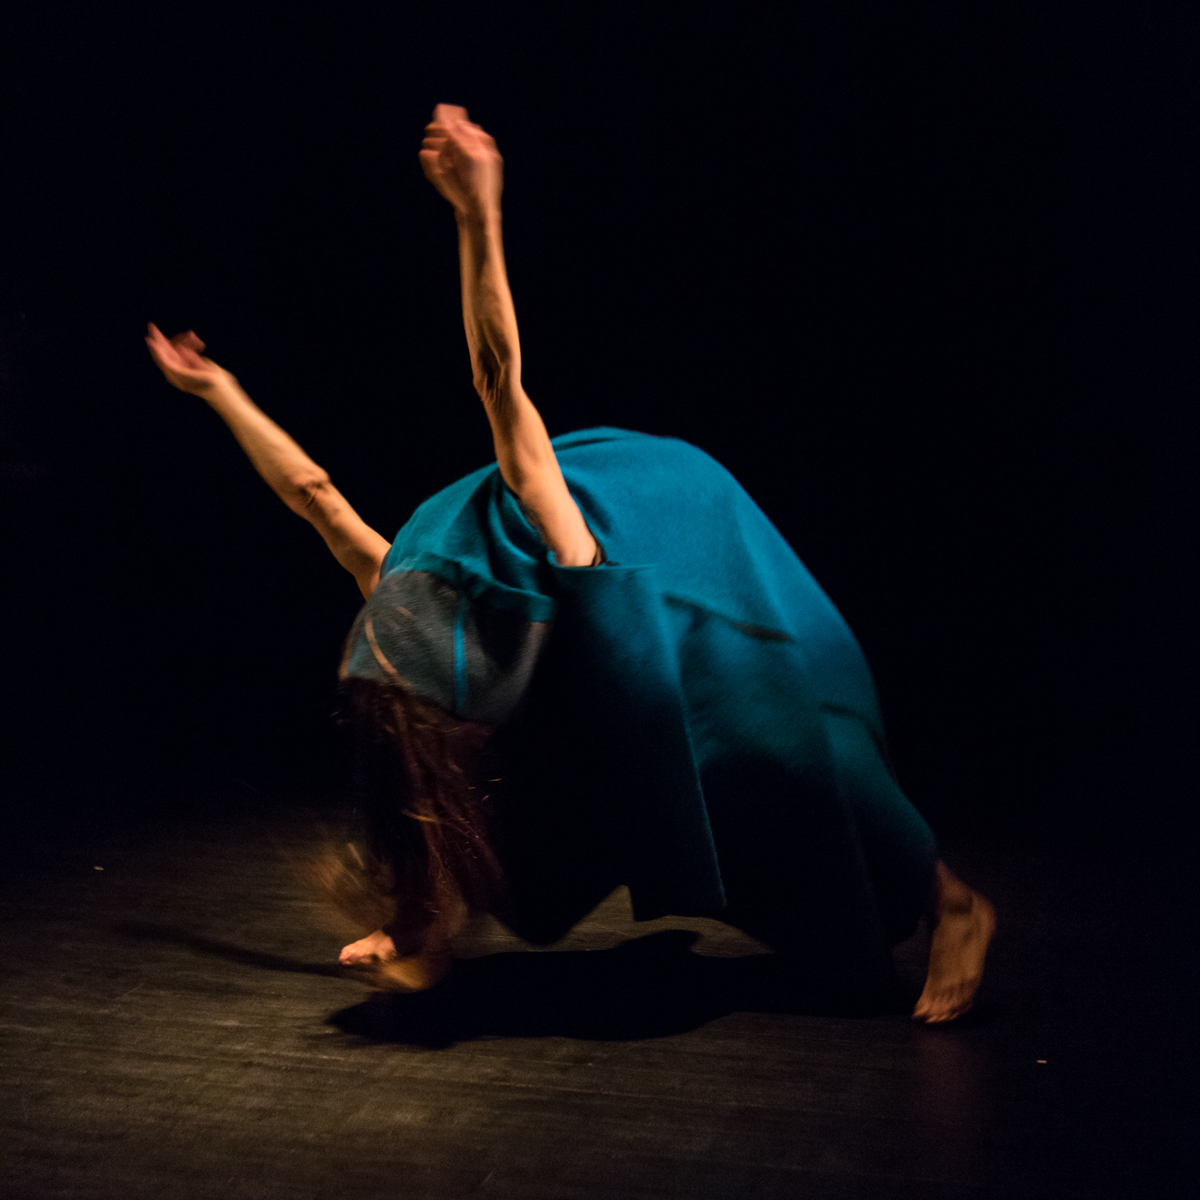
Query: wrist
[221,391]
[480,219]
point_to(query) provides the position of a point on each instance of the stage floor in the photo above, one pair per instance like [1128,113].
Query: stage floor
[176,1028]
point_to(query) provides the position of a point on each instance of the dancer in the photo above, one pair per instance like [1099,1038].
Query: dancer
[596,662]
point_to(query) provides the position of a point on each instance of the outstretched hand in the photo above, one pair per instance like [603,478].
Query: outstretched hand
[462,162]
[181,359]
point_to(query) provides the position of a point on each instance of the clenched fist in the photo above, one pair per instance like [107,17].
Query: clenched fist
[462,162]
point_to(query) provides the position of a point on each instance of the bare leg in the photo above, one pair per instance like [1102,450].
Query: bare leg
[962,922]
[374,960]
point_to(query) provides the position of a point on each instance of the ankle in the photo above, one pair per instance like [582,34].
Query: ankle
[951,897]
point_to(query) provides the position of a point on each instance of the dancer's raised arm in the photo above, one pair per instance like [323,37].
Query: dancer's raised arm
[462,162]
[302,485]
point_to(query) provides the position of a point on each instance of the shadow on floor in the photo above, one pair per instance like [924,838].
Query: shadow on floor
[226,950]
[648,987]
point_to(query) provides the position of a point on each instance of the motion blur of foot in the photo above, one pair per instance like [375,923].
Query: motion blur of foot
[374,960]
[963,922]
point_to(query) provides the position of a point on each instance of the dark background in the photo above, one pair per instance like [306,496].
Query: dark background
[919,275]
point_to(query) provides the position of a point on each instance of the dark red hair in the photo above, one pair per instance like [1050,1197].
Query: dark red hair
[421,777]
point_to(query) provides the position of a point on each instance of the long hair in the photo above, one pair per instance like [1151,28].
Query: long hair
[421,787]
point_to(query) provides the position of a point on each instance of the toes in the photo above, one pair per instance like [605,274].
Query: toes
[357,958]
[942,1007]
[934,1015]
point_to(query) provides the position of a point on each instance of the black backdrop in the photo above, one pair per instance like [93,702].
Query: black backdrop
[919,275]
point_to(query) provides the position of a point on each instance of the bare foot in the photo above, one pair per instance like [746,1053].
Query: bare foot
[374,960]
[963,922]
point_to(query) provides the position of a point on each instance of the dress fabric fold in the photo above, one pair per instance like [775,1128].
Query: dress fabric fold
[692,717]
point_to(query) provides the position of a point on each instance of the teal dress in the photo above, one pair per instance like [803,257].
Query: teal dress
[691,717]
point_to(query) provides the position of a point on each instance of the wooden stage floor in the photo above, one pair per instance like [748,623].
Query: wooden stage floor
[176,1030]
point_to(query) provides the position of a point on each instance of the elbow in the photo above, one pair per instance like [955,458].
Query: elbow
[496,375]
[485,373]
[305,491]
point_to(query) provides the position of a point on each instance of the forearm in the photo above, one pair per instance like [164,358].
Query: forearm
[291,474]
[301,484]
[489,318]
[524,454]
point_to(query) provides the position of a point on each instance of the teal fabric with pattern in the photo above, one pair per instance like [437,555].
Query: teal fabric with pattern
[701,726]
